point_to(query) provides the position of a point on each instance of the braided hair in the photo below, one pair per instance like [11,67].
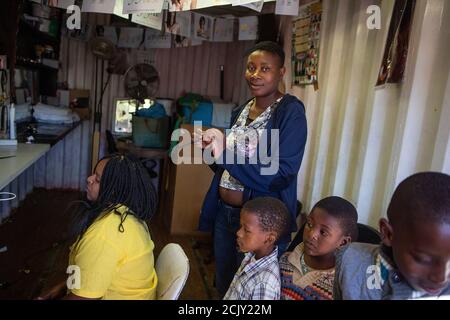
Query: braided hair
[124,181]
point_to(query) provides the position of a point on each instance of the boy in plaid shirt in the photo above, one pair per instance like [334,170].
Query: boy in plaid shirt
[263,221]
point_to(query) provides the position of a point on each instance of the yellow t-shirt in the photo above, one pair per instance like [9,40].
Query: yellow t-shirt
[115,265]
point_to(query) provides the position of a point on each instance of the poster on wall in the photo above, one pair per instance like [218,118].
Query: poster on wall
[211,3]
[138,6]
[305,43]
[183,42]
[178,23]
[287,7]
[248,28]
[256,6]
[203,27]
[223,30]
[396,51]
[151,20]
[157,39]
[118,9]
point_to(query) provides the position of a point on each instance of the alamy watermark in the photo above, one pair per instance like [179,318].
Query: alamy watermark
[74,20]
[252,147]
[74,279]
[374,279]
[374,19]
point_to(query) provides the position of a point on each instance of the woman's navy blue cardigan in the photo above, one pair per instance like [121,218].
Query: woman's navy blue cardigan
[289,117]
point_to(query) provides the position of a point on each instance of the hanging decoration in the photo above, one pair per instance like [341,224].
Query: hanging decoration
[305,44]
[396,51]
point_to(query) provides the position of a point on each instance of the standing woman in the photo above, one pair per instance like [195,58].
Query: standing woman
[235,184]
[113,251]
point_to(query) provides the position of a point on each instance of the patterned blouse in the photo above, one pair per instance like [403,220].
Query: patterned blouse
[300,282]
[253,131]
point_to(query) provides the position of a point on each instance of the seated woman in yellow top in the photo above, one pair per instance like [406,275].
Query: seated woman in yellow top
[113,254]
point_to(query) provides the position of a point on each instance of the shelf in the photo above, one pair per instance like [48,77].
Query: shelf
[41,35]
[31,64]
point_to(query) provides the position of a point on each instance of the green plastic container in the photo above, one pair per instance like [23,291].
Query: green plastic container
[150,132]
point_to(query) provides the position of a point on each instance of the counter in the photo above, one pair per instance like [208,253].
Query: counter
[26,155]
[58,160]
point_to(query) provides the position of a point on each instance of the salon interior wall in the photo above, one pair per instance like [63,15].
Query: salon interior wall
[194,69]
[363,141]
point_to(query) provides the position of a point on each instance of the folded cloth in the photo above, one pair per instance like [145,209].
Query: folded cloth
[44,109]
[57,119]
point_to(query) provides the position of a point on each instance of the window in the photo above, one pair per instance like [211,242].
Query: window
[124,109]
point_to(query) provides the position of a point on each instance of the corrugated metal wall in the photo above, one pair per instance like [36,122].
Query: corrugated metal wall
[364,141]
[67,164]
[194,69]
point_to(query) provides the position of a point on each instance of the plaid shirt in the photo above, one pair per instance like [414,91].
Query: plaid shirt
[256,279]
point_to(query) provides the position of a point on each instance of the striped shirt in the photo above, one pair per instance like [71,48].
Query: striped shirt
[256,279]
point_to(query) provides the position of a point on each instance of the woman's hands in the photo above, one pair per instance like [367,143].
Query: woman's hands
[211,138]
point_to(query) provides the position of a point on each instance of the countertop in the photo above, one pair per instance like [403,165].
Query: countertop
[26,155]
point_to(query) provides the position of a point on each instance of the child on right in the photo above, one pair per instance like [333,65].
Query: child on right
[413,261]
[307,273]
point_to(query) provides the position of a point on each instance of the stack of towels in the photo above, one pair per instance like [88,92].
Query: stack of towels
[56,115]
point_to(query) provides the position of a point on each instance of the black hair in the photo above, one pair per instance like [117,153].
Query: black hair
[344,212]
[268,46]
[421,197]
[124,181]
[273,215]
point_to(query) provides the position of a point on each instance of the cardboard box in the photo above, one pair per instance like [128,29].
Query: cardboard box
[78,100]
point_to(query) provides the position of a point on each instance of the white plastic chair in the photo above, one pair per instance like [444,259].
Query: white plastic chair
[172,269]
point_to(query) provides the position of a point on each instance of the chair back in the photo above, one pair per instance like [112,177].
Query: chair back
[172,269]
[366,234]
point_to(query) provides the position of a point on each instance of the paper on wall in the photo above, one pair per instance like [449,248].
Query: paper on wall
[203,27]
[181,5]
[212,3]
[99,6]
[151,20]
[157,39]
[137,6]
[287,7]
[248,28]
[118,9]
[257,6]
[179,23]
[223,30]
